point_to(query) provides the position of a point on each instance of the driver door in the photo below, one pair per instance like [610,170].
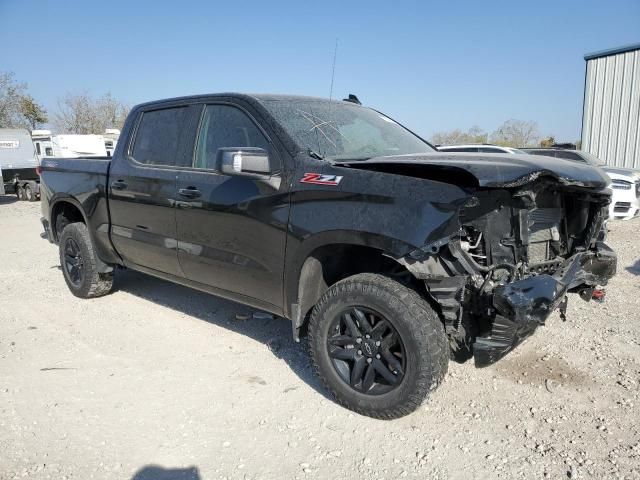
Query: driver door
[231,228]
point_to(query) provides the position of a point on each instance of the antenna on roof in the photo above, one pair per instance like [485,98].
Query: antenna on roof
[333,69]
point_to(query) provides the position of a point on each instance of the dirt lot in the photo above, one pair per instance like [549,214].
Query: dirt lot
[157,381]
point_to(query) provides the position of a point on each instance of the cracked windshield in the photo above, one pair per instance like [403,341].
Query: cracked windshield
[339,131]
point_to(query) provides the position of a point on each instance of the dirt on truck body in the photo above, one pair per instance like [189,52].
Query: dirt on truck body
[386,253]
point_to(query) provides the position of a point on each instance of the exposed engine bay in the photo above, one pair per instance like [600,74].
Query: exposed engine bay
[516,255]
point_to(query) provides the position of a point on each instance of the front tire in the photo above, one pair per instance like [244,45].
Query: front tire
[20,193]
[377,345]
[79,263]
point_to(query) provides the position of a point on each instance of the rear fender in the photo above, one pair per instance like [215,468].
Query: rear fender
[98,231]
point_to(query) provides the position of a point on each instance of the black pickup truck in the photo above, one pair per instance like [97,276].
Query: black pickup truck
[388,255]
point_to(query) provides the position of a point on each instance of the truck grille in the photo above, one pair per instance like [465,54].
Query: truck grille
[622,207]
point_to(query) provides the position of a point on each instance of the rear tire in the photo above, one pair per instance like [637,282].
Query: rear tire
[29,194]
[79,263]
[419,360]
[20,192]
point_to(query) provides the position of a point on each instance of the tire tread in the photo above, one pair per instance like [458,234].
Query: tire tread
[424,323]
[96,284]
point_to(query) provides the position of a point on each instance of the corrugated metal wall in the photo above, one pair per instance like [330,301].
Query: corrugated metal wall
[611,122]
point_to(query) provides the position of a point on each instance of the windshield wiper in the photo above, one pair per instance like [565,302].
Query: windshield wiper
[314,154]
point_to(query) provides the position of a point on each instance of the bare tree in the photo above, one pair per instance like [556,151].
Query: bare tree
[457,137]
[80,113]
[516,133]
[111,111]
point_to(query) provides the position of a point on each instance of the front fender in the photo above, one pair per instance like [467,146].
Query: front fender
[392,213]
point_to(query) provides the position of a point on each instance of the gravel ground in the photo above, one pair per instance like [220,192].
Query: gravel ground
[156,381]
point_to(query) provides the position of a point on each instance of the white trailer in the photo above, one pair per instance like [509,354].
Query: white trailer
[111,136]
[68,146]
[18,163]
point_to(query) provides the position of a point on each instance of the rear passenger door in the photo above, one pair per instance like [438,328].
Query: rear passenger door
[142,187]
[232,228]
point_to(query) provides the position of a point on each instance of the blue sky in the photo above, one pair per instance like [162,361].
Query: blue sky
[431,65]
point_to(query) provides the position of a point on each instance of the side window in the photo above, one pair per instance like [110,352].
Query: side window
[549,153]
[490,150]
[569,155]
[48,152]
[225,126]
[38,148]
[163,137]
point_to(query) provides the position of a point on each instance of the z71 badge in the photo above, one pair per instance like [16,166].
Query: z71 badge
[319,179]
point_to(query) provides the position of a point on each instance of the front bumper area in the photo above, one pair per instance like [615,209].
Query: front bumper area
[525,304]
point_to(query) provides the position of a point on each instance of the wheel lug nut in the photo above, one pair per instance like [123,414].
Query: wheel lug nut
[359,352]
[369,360]
[358,340]
[378,343]
[367,336]
[377,355]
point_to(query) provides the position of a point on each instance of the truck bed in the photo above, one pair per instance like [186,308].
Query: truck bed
[84,182]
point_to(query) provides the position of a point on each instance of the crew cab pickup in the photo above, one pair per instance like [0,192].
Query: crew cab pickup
[388,255]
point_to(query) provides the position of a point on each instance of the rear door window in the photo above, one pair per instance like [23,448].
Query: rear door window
[166,137]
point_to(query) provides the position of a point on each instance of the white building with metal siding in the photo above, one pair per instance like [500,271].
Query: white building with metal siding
[611,110]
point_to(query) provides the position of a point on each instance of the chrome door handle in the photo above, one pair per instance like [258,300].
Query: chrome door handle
[189,192]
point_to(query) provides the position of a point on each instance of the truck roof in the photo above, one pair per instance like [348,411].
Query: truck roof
[251,97]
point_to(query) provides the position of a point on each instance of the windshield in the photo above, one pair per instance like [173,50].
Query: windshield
[340,131]
[592,159]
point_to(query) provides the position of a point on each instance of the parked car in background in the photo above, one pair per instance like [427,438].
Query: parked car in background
[625,182]
[480,148]
[625,201]
[18,163]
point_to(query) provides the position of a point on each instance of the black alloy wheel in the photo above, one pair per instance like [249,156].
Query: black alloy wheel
[377,345]
[73,261]
[79,262]
[366,351]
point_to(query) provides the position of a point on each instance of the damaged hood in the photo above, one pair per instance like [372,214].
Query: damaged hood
[486,170]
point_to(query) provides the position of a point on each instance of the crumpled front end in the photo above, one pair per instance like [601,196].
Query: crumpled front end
[518,253]
[523,305]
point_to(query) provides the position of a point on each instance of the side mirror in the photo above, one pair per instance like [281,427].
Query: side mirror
[244,161]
